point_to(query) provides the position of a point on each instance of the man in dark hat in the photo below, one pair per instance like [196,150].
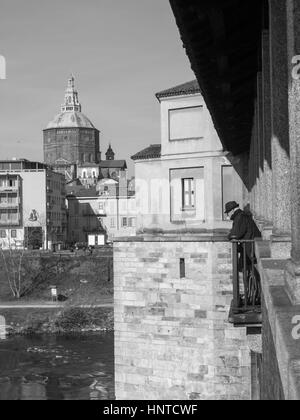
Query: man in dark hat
[244,227]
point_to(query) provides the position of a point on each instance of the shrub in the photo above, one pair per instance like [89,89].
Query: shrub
[72,319]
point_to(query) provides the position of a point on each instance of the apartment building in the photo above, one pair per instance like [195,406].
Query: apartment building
[32,205]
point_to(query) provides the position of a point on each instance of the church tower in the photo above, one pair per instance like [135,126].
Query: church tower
[70,138]
[110,155]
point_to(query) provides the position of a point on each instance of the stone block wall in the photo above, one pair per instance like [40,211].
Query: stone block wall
[172,336]
[271,384]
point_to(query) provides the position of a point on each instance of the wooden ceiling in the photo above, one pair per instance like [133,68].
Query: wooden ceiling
[222,39]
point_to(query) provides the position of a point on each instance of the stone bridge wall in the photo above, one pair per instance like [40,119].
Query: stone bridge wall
[172,337]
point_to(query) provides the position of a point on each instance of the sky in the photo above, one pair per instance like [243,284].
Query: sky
[121,53]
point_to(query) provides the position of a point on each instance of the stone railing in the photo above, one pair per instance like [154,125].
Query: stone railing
[280,377]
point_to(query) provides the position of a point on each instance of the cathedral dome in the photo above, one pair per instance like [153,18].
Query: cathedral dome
[70,115]
[70,119]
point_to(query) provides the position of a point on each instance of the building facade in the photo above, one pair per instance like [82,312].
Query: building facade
[70,138]
[111,215]
[32,205]
[101,201]
[183,183]
[173,285]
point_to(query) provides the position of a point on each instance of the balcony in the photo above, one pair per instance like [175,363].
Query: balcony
[9,189]
[10,223]
[9,205]
[245,308]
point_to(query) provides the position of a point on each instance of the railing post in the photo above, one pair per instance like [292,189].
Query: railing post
[235,276]
[245,278]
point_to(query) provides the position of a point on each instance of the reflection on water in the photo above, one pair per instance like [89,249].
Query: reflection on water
[57,368]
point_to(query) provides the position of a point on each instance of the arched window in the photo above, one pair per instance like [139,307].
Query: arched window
[83,174]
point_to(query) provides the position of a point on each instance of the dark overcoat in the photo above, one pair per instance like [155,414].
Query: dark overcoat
[244,227]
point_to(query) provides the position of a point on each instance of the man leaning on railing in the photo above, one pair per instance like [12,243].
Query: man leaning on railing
[244,229]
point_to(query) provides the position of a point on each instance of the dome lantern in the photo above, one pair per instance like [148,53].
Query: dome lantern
[71,97]
[70,115]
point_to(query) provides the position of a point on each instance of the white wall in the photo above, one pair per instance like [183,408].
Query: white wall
[108,210]
[159,197]
[206,142]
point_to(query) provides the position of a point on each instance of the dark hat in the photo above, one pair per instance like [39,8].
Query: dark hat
[230,206]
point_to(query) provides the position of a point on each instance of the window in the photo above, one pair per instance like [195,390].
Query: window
[124,221]
[9,217]
[13,233]
[112,222]
[84,174]
[186,123]
[131,221]
[188,193]
[13,216]
[2,233]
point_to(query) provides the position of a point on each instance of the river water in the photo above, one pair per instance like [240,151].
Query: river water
[57,367]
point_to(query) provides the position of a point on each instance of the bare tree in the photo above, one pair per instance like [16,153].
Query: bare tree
[22,269]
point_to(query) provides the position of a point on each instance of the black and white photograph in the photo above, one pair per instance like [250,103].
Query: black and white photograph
[149,203]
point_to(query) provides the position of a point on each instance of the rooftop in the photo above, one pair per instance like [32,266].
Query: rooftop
[70,119]
[151,152]
[21,164]
[80,191]
[70,115]
[113,164]
[188,88]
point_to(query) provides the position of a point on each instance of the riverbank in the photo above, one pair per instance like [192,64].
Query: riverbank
[56,320]
[79,278]
[84,284]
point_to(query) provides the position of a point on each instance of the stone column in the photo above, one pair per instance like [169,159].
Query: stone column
[279,114]
[251,175]
[254,164]
[266,92]
[260,150]
[293,31]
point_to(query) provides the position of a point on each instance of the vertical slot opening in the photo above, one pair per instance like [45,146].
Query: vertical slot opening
[182,268]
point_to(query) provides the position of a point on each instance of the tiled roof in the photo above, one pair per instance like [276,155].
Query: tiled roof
[113,164]
[88,165]
[183,89]
[76,189]
[151,152]
[70,119]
